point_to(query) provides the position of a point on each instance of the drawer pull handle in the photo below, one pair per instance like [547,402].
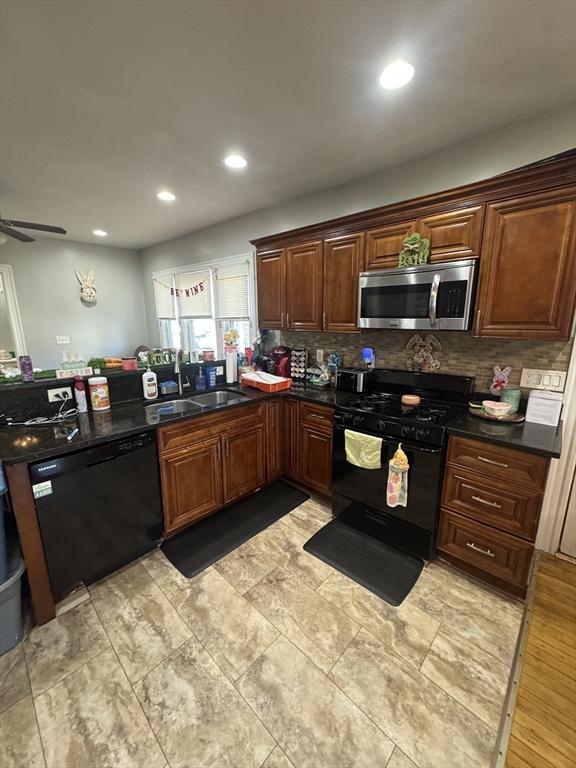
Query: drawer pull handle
[488,503]
[476,548]
[490,461]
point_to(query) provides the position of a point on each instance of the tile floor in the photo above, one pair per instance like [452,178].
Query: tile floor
[268,658]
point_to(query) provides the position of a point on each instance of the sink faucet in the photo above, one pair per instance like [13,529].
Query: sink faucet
[178,371]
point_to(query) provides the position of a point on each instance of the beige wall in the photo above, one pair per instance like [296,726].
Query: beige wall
[49,298]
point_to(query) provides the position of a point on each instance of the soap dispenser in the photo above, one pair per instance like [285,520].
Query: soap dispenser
[150,384]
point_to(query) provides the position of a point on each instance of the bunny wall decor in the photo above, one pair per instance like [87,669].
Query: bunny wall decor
[87,290]
[423,357]
[500,380]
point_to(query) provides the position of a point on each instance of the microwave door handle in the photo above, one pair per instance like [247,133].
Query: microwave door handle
[434,299]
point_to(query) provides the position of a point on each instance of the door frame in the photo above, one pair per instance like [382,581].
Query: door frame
[15,318]
[561,474]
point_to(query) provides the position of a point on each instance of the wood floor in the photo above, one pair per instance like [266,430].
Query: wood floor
[543,731]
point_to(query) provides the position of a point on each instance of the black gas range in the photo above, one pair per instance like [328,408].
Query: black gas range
[384,413]
[359,495]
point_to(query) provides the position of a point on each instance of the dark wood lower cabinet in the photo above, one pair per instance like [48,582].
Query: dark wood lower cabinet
[274,439]
[491,505]
[209,462]
[490,554]
[291,426]
[244,462]
[191,483]
[315,459]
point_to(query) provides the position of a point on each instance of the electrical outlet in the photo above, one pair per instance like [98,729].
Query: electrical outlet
[62,339]
[219,370]
[534,378]
[58,394]
[319,355]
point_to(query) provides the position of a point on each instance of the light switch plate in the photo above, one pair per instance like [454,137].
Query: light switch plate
[319,355]
[62,339]
[534,378]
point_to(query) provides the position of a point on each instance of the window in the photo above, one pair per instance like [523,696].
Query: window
[195,306]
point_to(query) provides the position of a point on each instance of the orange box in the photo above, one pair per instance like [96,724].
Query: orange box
[265,382]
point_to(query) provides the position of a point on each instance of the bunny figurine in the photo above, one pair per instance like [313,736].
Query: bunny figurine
[423,353]
[500,380]
[87,290]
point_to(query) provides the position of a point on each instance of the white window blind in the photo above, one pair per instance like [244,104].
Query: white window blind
[231,291]
[195,298]
[164,300]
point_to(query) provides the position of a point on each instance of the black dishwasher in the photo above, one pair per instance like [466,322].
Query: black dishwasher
[98,509]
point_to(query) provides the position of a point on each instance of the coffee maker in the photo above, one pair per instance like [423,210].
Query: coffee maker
[281,357]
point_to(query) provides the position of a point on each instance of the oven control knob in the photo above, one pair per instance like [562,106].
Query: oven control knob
[407,431]
[357,420]
[381,425]
[421,434]
[347,418]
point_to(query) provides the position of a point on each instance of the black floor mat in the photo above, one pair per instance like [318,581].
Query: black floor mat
[382,569]
[206,542]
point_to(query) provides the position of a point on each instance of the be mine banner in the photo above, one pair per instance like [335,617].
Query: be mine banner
[192,291]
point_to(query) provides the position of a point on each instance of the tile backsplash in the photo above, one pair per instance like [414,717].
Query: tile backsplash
[461,353]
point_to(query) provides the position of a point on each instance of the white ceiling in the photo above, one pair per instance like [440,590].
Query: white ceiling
[104,103]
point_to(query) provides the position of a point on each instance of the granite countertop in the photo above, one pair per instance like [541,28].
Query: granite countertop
[29,443]
[35,443]
[533,438]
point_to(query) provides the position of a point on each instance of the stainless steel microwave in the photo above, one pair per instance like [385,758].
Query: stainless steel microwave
[432,297]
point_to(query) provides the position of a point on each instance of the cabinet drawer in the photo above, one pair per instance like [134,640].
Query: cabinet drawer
[494,461]
[318,416]
[501,557]
[511,508]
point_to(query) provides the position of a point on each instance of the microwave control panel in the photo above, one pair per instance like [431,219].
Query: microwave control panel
[452,298]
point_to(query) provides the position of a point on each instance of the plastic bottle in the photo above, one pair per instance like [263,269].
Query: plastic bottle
[80,394]
[26,369]
[99,394]
[150,384]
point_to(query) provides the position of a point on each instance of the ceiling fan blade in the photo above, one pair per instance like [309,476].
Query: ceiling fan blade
[15,234]
[41,227]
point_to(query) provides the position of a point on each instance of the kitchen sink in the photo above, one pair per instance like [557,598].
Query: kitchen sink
[172,408]
[219,397]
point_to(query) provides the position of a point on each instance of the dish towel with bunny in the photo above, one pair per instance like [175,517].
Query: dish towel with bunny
[397,488]
[362,450]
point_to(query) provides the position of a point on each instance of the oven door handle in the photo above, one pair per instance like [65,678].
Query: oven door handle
[390,441]
[432,305]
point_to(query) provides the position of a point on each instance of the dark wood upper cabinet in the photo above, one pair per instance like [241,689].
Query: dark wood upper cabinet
[304,287]
[453,234]
[528,267]
[191,483]
[244,461]
[383,245]
[343,261]
[270,274]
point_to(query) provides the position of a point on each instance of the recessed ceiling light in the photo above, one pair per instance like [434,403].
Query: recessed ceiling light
[396,74]
[99,233]
[235,161]
[167,197]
